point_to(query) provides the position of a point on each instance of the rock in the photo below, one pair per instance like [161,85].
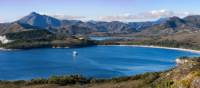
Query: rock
[195,83]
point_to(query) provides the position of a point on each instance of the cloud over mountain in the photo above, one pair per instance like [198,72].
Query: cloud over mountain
[126,17]
[150,15]
[1,20]
[69,17]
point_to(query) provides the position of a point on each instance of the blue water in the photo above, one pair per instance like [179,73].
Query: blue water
[96,61]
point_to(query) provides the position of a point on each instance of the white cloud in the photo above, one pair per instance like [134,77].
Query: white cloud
[68,17]
[143,16]
[9,19]
[151,15]
[1,20]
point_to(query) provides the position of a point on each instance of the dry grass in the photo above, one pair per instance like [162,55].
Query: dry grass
[126,84]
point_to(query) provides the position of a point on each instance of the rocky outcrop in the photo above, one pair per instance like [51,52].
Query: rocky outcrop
[185,75]
[4,40]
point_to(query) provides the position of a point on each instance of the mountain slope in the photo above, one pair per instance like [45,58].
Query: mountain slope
[42,21]
[163,26]
[173,25]
[193,20]
[10,27]
[16,27]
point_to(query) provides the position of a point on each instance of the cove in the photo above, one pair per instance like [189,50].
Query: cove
[95,61]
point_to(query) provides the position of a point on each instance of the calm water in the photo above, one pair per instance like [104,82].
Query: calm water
[97,61]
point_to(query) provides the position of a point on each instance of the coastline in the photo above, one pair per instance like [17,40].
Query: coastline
[146,46]
[4,49]
[160,47]
[71,80]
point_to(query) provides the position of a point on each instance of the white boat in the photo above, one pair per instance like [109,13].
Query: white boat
[75,53]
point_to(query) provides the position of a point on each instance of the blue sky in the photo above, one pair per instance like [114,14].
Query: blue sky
[108,10]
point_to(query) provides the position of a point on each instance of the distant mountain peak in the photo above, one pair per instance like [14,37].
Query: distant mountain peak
[34,13]
[175,17]
[38,20]
[161,20]
[193,16]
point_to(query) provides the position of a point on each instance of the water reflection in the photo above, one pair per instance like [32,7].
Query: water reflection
[74,56]
[74,59]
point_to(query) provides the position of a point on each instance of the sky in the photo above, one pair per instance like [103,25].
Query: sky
[101,10]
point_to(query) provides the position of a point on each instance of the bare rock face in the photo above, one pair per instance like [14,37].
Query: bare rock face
[185,75]
[195,83]
[181,61]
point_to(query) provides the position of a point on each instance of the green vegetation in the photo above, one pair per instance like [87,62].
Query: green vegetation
[164,43]
[172,43]
[60,80]
[30,35]
[27,44]
[43,38]
[143,80]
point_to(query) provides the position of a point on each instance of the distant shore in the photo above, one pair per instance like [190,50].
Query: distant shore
[161,47]
[146,46]
[4,49]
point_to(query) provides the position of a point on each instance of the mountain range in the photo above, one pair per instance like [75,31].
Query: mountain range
[35,21]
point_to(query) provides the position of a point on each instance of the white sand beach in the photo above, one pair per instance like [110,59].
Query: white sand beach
[152,46]
[147,46]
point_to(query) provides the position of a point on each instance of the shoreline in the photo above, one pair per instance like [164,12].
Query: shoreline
[160,47]
[4,49]
[145,46]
